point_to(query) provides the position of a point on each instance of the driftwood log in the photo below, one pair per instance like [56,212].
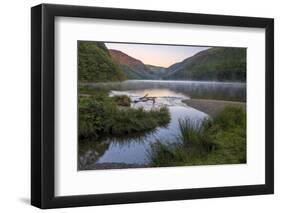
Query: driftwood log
[146,98]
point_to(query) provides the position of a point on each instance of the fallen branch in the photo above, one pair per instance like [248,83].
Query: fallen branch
[145,98]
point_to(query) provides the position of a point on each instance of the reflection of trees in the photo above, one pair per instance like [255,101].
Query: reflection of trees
[206,90]
[91,151]
[132,139]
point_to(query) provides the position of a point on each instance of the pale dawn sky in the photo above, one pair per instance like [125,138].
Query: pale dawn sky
[158,55]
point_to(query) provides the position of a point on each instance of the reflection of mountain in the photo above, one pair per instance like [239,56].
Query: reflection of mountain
[133,68]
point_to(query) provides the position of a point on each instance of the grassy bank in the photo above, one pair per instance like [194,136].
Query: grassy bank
[221,140]
[101,115]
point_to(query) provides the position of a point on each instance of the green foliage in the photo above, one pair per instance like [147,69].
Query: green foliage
[96,64]
[164,155]
[191,132]
[101,115]
[218,141]
[230,118]
[92,112]
[137,120]
[122,100]
[228,132]
[227,64]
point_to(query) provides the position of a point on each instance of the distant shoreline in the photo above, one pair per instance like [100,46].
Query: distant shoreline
[88,83]
[212,107]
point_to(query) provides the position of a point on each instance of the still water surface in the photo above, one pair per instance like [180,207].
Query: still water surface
[135,149]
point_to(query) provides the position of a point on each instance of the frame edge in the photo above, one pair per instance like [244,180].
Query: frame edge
[269,104]
[42,125]
[36,85]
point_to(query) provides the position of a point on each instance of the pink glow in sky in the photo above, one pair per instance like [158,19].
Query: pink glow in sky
[158,55]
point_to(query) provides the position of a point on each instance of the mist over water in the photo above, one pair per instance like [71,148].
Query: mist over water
[231,91]
[134,149]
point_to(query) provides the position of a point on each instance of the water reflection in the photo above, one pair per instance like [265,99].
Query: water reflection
[194,89]
[133,149]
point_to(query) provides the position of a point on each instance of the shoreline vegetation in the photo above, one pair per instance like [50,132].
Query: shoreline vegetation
[218,140]
[101,115]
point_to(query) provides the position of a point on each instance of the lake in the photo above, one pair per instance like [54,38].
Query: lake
[133,150]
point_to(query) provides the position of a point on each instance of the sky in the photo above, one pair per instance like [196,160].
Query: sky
[158,55]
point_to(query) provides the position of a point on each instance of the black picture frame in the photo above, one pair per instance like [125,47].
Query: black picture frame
[43,102]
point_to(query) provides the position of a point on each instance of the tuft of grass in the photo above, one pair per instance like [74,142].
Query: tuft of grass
[190,132]
[166,155]
[221,140]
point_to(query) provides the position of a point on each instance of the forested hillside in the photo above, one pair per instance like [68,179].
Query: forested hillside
[222,64]
[95,63]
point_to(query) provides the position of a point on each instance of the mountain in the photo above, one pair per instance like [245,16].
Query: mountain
[218,63]
[156,70]
[96,64]
[133,68]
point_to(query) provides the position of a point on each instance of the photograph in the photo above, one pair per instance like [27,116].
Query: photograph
[160,105]
[140,105]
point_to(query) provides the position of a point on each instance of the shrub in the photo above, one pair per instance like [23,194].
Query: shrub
[231,117]
[92,113]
